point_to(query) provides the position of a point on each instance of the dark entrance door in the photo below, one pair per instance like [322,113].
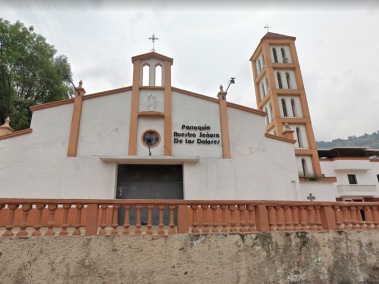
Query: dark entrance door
[148,182]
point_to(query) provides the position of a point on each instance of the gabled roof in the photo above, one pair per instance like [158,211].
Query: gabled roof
[278,36]
[152,55]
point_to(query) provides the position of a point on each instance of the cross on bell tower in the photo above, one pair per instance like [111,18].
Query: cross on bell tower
[153,39]
[267,27]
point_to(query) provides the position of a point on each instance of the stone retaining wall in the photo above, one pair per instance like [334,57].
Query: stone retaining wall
[298,257]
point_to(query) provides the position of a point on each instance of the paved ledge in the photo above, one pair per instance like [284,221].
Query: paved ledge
[292,257]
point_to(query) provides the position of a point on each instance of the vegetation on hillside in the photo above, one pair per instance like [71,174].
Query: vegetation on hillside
[366,140]
[30,73]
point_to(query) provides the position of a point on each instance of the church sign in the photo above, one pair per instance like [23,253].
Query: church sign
[210,138]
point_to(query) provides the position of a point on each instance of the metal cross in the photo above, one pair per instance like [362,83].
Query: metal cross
[153,39]
[311,197]
[267,27]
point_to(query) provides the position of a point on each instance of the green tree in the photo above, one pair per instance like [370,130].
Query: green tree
[30,73]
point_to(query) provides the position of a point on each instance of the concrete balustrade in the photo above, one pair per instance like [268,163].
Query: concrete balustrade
[64,217]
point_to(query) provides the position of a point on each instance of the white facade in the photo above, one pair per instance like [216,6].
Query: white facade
[366,173]
[36,165]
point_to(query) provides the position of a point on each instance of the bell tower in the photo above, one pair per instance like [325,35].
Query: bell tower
[280,93]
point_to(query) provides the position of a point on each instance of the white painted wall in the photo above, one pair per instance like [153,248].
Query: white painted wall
[279,53]
[36,165]
[303,135]
[153,62]
[263,167]
[143,102]
[191,111]
[104,126]
[300,166]
[260,168]
[289,106]
[145,123]
[284,80]
[323,191]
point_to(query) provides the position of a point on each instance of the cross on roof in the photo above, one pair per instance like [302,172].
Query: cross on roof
[153,39]
[267,27]
[311,197]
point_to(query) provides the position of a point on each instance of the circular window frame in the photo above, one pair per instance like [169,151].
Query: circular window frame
[151,130]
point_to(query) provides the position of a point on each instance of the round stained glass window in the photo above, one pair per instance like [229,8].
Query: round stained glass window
[151,138]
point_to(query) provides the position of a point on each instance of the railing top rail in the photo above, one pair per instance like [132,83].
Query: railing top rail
[21,201]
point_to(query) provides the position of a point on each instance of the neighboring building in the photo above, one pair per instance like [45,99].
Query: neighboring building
[357,172]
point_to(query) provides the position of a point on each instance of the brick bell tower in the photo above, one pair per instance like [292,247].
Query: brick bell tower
[280,92]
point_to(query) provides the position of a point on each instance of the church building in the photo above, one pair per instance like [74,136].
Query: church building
[152,140]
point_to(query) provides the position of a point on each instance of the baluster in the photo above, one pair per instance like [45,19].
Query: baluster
[251,222]
[38,225]
[195,230]
[205,229]
[50,224]
[271,216]
[172,231]
[345,219]
[161,232]
[224,224]
[214,221]
[241,209]
[353,218]
[149,220]
[318,219]
[9,226]
[295,220]
[361,224]
[233,228]
[103,223]
[126,220]
[64,232]
[311,222]
[278,219]
[78,220]
[368,217]
[337,217]
[138,223]
[375,217]
[303,218]
[287,218]
[115,220]
[24,222]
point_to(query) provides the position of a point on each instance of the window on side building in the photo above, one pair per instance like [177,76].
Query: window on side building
[377,177]
[352,179]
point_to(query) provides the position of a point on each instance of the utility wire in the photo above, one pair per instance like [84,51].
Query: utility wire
[5,18]
[32,15]
[15,10]
[23,7]
[56,28]
[46,23]
[65,36]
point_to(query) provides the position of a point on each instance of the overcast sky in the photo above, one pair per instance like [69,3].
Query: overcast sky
[337,44]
